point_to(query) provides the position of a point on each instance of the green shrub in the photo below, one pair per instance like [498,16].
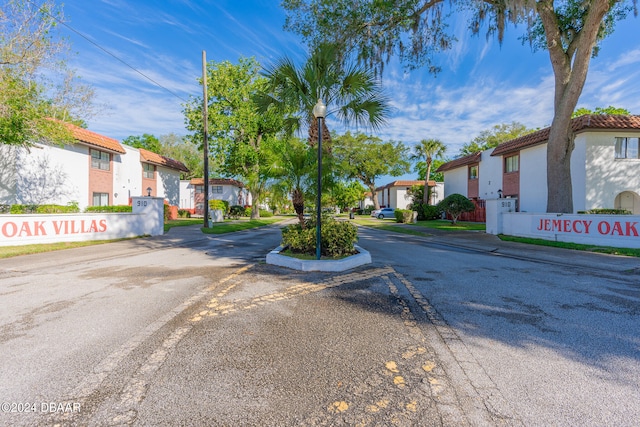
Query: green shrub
[23,209]
[183,213]
[247,212]
[236,211]
[299,240]
[430,212]
[403,215]
[265,213]
[217,204]
[338,237]
[606,212]
[456,204]
[425,212]
[71,207]
[50,209]
[108,209]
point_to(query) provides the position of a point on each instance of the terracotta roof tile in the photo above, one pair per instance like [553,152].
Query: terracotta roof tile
[217,181]
[461,161]
[579,124]
[95,139]
[406,183]
[156,159]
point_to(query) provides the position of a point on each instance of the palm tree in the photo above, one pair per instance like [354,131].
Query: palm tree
[294,172]
[353,94]
[428,149]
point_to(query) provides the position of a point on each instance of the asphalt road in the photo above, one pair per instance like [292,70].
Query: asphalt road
[186,329]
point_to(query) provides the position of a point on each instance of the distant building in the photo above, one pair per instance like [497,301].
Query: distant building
[396,194]
[230,190]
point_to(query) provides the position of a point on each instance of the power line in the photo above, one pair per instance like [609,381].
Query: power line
[111,54]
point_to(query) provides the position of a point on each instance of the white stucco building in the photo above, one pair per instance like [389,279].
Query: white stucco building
[95,170]
[229,190]
[396,193]
[605,167]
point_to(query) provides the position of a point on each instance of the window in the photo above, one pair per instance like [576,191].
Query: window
[199,189]
[100,160]
[148,170]
[100,199]
[627,148]
[216,189]
[511,164]
[473,172]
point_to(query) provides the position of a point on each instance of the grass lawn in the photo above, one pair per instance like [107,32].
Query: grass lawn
[11,251]
[231,226]
[181,222]
[425,226]
[576,246]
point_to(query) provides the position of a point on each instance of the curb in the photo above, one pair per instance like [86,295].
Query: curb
[361,258]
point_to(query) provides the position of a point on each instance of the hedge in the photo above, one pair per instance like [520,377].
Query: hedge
[108,209]
[605,212]
[338,237]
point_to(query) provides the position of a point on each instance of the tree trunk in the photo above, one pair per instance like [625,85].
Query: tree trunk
[297,198]
[425,195]
[559,149]
[570,68]
[326,135]
[255,209]
[374,197]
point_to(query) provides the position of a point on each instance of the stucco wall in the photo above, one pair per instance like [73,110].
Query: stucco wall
[168,181]
[621,231]
[127,176]
[147,218]
[490,175]
[606,176]
[533,179]
[455,181]
[186,195]
[8,174]
[48,174]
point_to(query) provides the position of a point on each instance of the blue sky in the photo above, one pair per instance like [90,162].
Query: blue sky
[481,84]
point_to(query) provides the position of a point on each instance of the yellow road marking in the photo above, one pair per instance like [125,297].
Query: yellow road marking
[392,366]
[399,381]
[337,407]
[428,366]
[412,406]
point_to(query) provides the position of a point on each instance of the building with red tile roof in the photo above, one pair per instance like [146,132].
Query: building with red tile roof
[396,193]
[93,170]
[230,190]
[605,167]
[92,139]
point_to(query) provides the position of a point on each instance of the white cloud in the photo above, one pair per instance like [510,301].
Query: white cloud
[628,58]
[456,115]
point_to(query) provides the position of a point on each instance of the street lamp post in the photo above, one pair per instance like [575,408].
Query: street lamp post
[319,111]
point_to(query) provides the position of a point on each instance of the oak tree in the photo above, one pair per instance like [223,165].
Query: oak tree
[415,30]
[35,84]
[241,136]
[367,158]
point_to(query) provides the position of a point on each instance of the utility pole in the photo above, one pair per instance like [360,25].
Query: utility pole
[205,131]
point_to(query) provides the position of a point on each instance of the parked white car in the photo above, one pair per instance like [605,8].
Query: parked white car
[383,213]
